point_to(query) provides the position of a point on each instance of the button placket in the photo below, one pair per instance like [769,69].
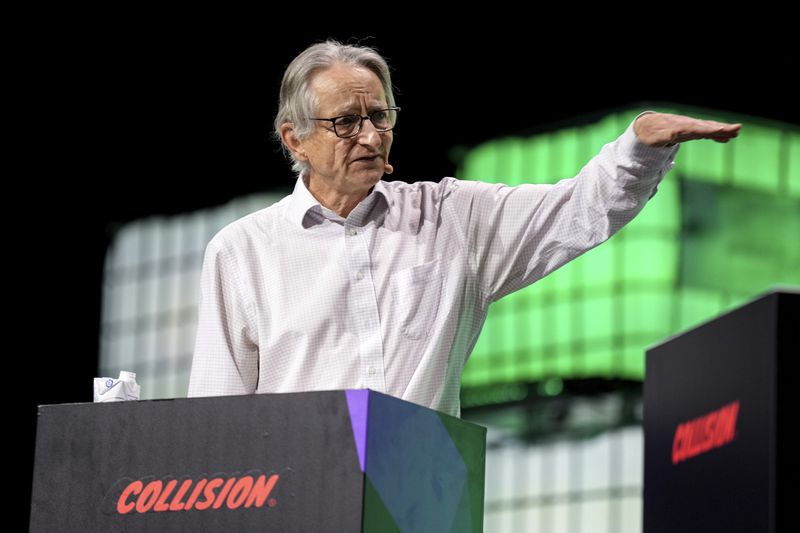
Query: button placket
[364,307]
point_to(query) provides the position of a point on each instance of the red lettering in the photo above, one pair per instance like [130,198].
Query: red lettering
[177,504]
[161,503]
[123,506]
[196,493]
[148,496]
[677,443]
[240,492]
[727,430]
[698,434]
[705,433]
[261,490]
[209,494]
[709,430]
[224,492]
[169,494]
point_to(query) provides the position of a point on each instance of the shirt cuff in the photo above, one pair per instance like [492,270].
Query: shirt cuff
[648,156]
[661,159]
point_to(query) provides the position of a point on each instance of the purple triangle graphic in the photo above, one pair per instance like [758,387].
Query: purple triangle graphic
[357,405]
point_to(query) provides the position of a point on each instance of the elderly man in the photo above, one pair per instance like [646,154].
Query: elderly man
[355,282]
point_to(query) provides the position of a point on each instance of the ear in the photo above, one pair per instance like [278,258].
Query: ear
[293,143]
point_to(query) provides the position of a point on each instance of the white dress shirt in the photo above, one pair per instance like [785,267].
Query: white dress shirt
[393,297]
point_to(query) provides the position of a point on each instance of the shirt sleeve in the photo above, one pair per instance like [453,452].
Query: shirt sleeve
[517,235]
[226,355]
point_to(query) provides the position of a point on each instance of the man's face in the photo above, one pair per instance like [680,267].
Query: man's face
[338,162]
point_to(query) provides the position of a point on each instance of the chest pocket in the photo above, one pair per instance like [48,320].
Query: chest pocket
[417,292]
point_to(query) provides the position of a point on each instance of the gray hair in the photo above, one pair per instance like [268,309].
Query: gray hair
[298,102]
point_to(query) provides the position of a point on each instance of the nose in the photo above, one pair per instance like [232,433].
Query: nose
[369,135]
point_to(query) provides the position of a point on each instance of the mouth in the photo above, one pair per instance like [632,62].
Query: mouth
[366,159]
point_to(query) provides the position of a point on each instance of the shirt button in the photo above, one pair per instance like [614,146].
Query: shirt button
[360,275]
[372,371]
[353,232]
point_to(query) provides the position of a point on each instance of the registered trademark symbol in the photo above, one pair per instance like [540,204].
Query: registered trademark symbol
[272,502]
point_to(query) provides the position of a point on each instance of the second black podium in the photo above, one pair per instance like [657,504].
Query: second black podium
[719,406]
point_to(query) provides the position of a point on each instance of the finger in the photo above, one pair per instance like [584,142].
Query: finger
[716,136]
[721,126]
[717,131]
[725,135]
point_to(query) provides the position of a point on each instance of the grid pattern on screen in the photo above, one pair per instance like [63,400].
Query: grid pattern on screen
[151,293]
[590,484]
[678,263]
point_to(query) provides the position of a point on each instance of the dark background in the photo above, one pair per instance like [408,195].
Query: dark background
[119,124]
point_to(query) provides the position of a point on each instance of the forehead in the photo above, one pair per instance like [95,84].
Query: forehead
[342,88]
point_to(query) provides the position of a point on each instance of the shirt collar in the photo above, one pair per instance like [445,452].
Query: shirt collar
[305,211]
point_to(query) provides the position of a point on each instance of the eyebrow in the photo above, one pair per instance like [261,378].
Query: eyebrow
[354,108]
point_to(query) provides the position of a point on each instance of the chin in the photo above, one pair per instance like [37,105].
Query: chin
[372,175]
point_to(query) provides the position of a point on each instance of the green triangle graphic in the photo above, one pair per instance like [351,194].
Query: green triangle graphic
[377,518]
[473,455]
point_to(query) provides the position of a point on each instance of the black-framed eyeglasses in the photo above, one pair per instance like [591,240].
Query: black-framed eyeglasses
[350,125]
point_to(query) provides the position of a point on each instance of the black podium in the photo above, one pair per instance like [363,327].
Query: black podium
[338,461]
[720,401]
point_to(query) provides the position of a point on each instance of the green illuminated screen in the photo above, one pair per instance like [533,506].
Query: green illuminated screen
[723,228]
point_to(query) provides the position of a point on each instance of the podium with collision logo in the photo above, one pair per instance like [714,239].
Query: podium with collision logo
[339,461]
[720,402]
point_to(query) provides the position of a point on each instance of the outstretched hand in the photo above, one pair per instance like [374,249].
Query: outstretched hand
[665,129]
